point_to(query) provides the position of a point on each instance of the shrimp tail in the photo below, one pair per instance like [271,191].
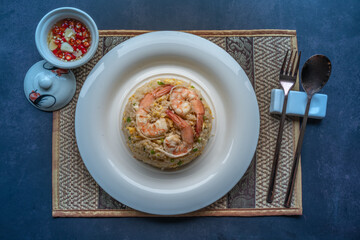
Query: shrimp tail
[200,112]
[199,124]
[176,119]
[161,91]
[186,130]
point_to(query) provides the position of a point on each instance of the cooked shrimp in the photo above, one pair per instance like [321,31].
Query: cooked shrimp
[151,130]
[183,101]
[173,145]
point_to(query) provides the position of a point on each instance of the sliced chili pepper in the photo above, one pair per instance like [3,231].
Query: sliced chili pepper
[71,41]
[60,54]
[79,36]
[78,25]
[55,30]
[68,57]
[86,44]
[62,29]
[65,25]
[78,41]
[83,50]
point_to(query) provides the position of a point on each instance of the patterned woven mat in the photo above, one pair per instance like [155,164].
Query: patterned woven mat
[260,53]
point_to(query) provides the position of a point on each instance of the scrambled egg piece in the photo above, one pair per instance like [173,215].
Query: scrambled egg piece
[132,130]
[169,81]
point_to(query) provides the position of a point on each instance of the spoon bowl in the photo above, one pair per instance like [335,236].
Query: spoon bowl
[315,73]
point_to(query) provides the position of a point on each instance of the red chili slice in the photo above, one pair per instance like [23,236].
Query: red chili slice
[60,54]
[68,57]
[79,36]
[71,41]
[83,50]
[56,30]
[86,44]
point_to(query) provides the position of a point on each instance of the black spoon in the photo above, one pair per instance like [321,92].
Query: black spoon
[314,75]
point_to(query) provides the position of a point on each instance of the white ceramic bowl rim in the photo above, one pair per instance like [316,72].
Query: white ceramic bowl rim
[49,20]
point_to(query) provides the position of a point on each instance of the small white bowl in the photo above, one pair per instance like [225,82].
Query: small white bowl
[44,26]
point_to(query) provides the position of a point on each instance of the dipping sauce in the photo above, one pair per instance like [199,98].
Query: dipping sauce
[69,39]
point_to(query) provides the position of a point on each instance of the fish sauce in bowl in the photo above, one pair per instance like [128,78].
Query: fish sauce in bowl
[69,39]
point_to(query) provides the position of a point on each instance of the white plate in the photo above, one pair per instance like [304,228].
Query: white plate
[102,144]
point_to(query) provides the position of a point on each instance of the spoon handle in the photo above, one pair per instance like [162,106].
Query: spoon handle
[271,190]
[295,166]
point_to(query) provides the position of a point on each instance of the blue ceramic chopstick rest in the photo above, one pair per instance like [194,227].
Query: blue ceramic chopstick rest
[297,103]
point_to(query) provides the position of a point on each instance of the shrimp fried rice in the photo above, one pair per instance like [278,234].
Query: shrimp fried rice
[167,123]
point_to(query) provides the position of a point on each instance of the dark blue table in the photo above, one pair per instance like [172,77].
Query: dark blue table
[330,159]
